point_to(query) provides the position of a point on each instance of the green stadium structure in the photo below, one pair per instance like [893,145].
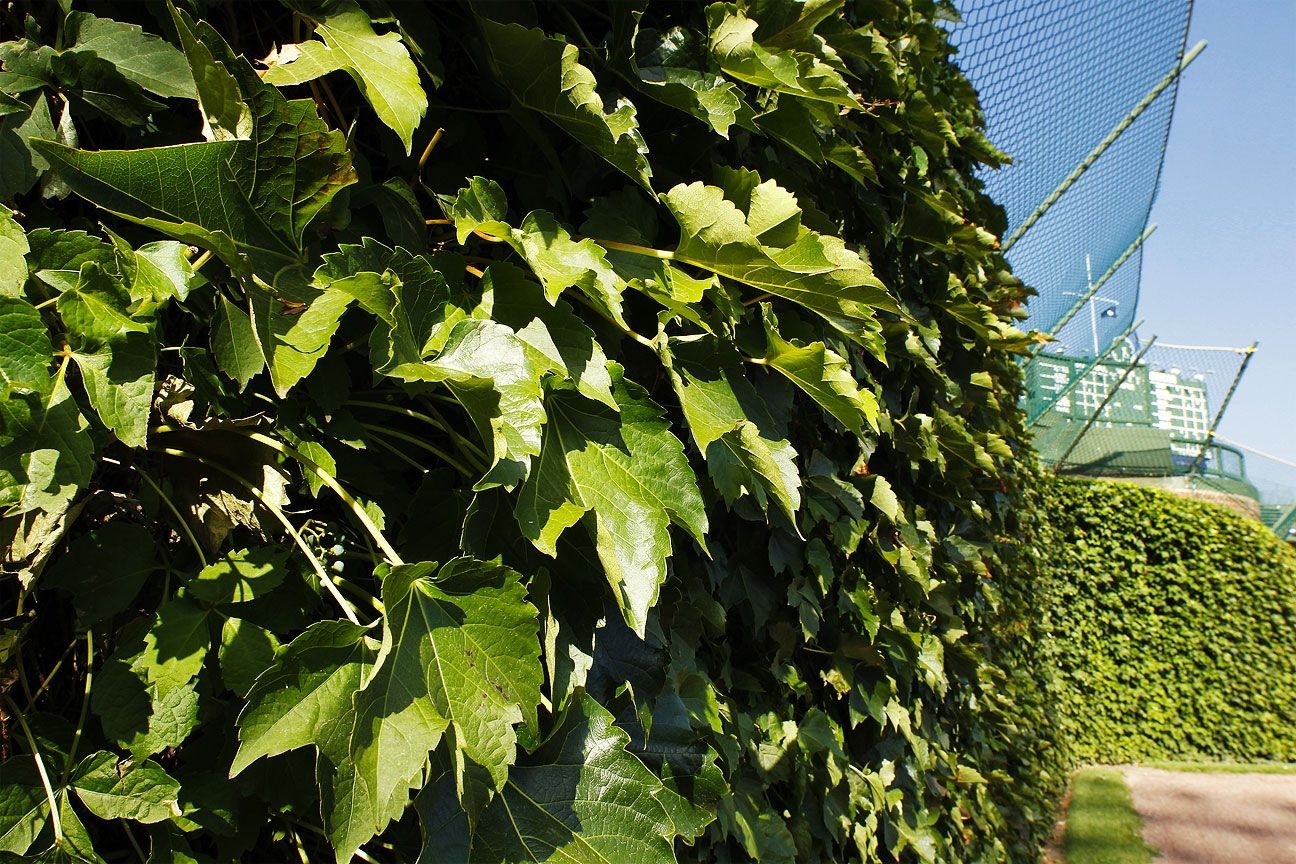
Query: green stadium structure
[1081,94]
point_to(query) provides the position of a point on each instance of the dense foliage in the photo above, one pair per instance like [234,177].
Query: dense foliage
[1173,623]
[480,431]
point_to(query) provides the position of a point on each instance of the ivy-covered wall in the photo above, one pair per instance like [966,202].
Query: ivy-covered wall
[465,430]
[1174,626]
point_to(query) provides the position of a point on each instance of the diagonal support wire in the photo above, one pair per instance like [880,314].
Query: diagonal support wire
[1219,415]
[1093,418]
[1103,146]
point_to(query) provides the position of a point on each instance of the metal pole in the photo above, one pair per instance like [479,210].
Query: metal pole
[1219,415]
[1076,381]
[1111,393]
[1094,288]
[1107,142]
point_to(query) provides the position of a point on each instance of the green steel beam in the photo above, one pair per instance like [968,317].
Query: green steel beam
[1098,411]
[1075,382]
[1219,415]
[1103,145]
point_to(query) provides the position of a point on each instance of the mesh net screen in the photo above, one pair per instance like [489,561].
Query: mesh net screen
[1055,77]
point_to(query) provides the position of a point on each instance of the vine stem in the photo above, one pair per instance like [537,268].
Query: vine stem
[180,520]
[326,581]
[410,439]
[40,769]
[306,462]
[85,707]
[427,151]
[431,421]
[635,248]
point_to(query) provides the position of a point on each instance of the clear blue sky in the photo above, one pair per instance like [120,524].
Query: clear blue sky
[1221,268]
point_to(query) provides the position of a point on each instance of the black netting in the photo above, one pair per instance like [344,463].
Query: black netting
[1055,78]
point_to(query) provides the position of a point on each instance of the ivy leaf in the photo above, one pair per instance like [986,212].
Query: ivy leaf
[630,471]
[663,65]
[765,246]
[460,658]
[796,73]
[141,791]
[558,261]
[491,373]
[240,576]
[248,198]
[559,341]
[305,697]
[294,323]
[25,349]
[403,290]
[380,65]
[149,61]
[234,343]
[20,165]
[732,427]
[146,696]
[97,306]
[158,271]
[118,379]
[823,375]
[545,75]
[13,251]
[580,797]
[24,809]
[44,468]
[246,650]
[104,570]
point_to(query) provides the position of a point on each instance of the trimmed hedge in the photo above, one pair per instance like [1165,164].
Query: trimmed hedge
[1174,627]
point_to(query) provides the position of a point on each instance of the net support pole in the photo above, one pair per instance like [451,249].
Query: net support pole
[1095,287]
[1219,415]
[1075,382]
[1103,145]
[1093,418]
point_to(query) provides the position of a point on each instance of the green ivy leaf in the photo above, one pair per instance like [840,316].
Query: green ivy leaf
[823,375]
[104,570]
[141,791]
[97,306]
[149,61]
[240,576]
[581,796]
[52,461]
[734,47]
[663,65]
[380,65]
[559,342]
[751,232]
[403,290]
[732,426]
[460,658]
[246,650]
[558,261]
[631,473]
[492,374]
[234,343]
[545,75]
[305,697]
[118,379]
[13,251]
[25,349]
[247,198]
[24,808]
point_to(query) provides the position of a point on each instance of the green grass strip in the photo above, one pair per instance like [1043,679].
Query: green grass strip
[1225,767]
[1102,827]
